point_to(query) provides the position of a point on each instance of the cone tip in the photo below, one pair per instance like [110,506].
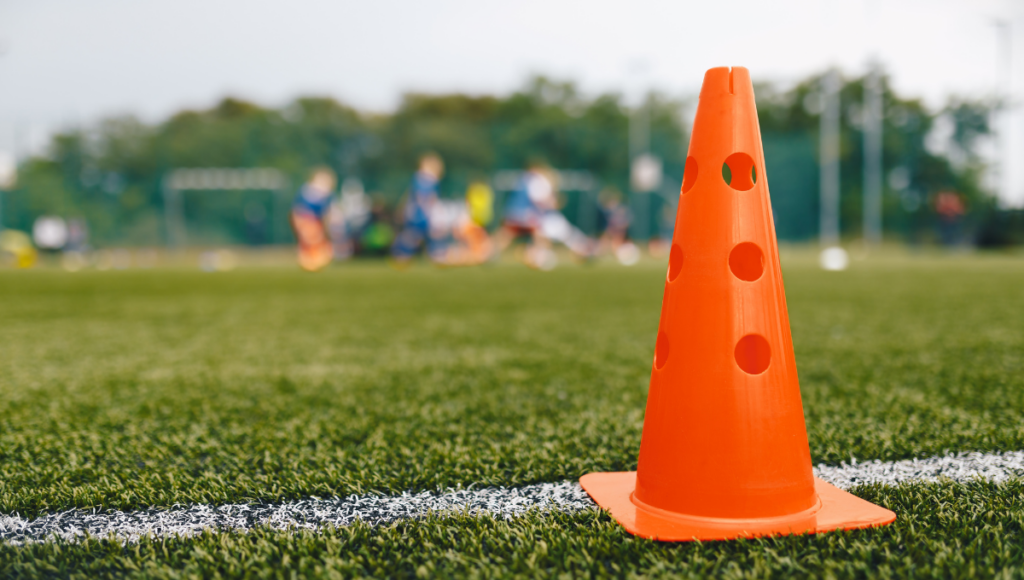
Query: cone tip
[724,80]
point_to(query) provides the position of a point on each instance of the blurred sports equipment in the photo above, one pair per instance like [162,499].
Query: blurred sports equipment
[221,181]
[724,452]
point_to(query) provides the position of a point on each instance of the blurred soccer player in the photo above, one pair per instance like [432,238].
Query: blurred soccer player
[467,223]
[308,215]
[533,195]
[950,208]
[415,230]
[347,216]
[532,210]
[480,200]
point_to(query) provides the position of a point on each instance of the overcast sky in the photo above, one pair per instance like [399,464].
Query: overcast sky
[66,62]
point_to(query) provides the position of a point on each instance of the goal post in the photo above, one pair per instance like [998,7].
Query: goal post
[213,179]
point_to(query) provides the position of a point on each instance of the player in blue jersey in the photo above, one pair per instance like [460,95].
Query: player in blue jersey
[309,211]
[526,204]
[420,202]
[532,210]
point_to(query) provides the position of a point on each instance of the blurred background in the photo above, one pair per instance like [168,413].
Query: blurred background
[131,128]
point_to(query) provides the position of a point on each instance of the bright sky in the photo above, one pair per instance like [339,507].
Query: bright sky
[65,62]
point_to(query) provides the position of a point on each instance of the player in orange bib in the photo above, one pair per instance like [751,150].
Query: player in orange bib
[309,211]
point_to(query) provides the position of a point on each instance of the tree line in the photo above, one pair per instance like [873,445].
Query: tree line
[110,173]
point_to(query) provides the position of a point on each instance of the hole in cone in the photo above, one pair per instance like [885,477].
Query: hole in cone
[675,262]
[746,261]
[661,350]
[689,174]
[738,171]
[753,354]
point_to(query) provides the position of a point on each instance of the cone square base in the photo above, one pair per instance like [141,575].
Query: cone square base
[837,510]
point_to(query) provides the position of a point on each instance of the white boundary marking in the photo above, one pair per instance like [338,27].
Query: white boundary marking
[505,503]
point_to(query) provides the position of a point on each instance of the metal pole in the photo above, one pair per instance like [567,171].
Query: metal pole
[1002,112]
[639,131]
[830,159]
[173,218]
[582,211]
[282,210]
[639,144]
[873,157]
[281,218]
[595,210]
[168,226]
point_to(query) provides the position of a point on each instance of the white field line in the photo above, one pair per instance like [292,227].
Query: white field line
[503,503]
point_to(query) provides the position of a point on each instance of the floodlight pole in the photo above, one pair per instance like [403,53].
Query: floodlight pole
[829,153]
[639,144]
[1002,124]
[873,157]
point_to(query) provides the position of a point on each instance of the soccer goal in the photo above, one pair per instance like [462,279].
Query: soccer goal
[221,193]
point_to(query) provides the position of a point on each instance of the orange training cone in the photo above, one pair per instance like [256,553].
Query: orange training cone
[724,451]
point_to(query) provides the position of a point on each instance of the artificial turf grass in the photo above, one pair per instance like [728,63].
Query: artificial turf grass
[944,530]
[134,389]
[278,385]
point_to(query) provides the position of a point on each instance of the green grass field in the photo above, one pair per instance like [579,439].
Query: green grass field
[131,389]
